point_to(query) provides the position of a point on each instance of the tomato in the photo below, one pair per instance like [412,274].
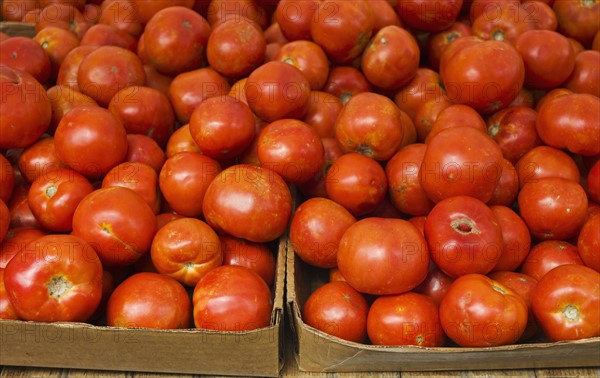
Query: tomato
[7,178]
[107,70]
[541,14]
[588,243]
[480,312]
[221,11]
[181,141]
[62,99]
[346,81]
[5,217]
[14,10]
[57,43]
[292,149]
[486,75]
[149,300]
[383,256]
[548,58]
[508,186]
[323,109]
[25,54]
[338,310]
[384,14]
[189,89]
[431,16]
[232,298]
[143,149]
[20,212]
[437,42]
[273,34]
[516,240]
[53,197]
[586,73]
[235,48]
[222,127]
[508,22]
[139,177]
[277,90]
[514,129]
[248,202]
[157,80]
[186,249]
[15,240]
[295,17]
[69,69]
[356,182]
[91,141]
[489,8]
[566,303]
[464,236]
[64,16]
[64,280]
[436,284]
[316,229]
[405,319]
[108,35]
[402,172]
[461,161]
[146,9]
[342,28]
[577,19]
[316,186]
[553,208]
[425,86]
[184,180]
[427,114]
[309,58]
[117,222]
[391,59]
[122,15]
[523,285]
[256,256]
[24,103]
[456,116]
[7,310]
[547,255]
[144,110]
[545,161]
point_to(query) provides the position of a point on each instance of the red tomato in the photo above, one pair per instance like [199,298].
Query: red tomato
[437,42]
[342,28]
[222,127]
[545,161]
[7,310]
[139,177]
[566,303]
[277,90]
[24,103]
[593,182]
[273,33]
[25,54]
[20,212]
[346,81]
[436,284]
[508,186]
[383,256]
[309,58]
[186,249]
[456,116]
[553,208]
[57,43]
[64,280]
[69,69]
[295,17]
[248,202]
[91,141]
[391,59]
[486,75]
[146,9]
[117,222]
[402,172]
[256,256]
[429,15]
[480,312]
[5,218]
[181,141]
[149,300]
[541,14]
[63,99]
[64,16]
[122,15]
[514,130]
[108,35]
[323,109]
[144,110]
[7,179]
[15,240]
[464,236]
[515,237]
[425,86]
[220,11]
[143,149]
[54,196]
[577,19]
[316,229]
[356,182]
[232,298]
[316,186]
[338,310]
[427,114]
[586,74]
[547,255]
[509,21]
[156,80]
[461,161]
[588,243]
[14,10]
[405,319]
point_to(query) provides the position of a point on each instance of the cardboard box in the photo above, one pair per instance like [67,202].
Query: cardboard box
[316,351]
[15,29]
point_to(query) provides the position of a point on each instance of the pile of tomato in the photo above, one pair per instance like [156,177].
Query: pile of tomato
[444,158]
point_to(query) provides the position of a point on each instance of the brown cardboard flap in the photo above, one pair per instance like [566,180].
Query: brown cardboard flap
[318,352]
[15,29]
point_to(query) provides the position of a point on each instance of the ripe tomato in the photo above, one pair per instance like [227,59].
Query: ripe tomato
[108,35]
[122,15]
[464,236]
[547,255]
[480,312]
[508,22]
[117,222]
[438,42]
[338,310]
[593,182]
[545,18]
[255,256]
[25,54]
[295,17]
[577,19]
[425,86]
[54,196]
[69,69]
[220,11]
[391,59]
[232,298]
[143,149]
[181,141]
[309,58]
[149,300]
[383,256]
[5,218]
[356,182]
[553,208]
[588,243]
[24,103]
[64,280]
[431,16]
[62,99]
[586,73]
[566,303]
[323,109]
[186,249]
[436,284]
[508,186]
[456,116]
[91,141]
[515,131]
[405,319]
[248,202]
[63,16]
[461,161]
[346,81]
[545,161]
[515,236]
[146,9]
[139,177]
[316,229]
[316,186]
[7,310]
[15,240]
[57,43]
[7,179]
